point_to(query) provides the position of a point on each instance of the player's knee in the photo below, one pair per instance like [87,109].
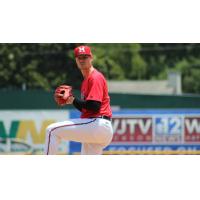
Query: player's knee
[52,130]
[49,129]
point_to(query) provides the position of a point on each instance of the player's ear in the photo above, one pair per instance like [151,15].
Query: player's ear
[76,61]
[91,57]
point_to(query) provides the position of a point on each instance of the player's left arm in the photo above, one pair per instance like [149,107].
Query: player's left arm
[88,104]
[80,104]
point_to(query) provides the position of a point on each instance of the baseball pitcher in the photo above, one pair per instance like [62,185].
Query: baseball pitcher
[93,129]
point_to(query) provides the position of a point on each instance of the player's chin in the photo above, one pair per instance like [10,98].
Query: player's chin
[83,67]
[82,64]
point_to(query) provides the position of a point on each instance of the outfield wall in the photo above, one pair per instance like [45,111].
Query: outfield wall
[156,124]
[34,99]
[136,131]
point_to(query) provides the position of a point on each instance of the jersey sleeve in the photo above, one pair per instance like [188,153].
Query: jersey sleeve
[95,90]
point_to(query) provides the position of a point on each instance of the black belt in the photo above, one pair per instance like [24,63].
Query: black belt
[103,117]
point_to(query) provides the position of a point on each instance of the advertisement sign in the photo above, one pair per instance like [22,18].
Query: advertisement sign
[23,131]
[132,129]
[168,129]
[192,129]
[153,130]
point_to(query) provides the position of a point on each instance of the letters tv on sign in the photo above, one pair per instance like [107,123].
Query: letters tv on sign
[132,129]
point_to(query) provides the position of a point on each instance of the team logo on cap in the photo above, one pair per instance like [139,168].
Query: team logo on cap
[81,49]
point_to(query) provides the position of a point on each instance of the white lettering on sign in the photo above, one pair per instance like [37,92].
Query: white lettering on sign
[192,126]
[132,123]
[144,126]
[120,126]
[168,125]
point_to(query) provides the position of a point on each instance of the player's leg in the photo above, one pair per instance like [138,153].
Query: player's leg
[104,134]
[94,131]
[91,149]
[72,130]
[51,145]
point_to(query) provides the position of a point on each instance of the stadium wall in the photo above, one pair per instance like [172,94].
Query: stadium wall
[36,99]
[145,124]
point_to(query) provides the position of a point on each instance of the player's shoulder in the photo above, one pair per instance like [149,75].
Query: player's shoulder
[97,75]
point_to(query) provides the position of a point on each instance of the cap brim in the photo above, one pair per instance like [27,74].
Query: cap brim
[80,54]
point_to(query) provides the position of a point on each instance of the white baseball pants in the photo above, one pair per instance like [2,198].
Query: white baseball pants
[94,134]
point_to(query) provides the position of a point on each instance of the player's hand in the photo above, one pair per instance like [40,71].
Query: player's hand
[62,95]
[70,100]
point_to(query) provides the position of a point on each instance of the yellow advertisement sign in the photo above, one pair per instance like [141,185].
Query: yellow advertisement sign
[23,131]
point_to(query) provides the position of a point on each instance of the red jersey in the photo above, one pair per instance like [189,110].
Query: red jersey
[95,88]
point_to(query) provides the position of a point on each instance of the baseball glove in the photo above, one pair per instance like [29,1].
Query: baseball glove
[62,93]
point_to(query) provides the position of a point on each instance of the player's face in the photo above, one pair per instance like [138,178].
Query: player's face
[84,61]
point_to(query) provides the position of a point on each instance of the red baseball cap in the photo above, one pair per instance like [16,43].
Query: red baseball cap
[82,50]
